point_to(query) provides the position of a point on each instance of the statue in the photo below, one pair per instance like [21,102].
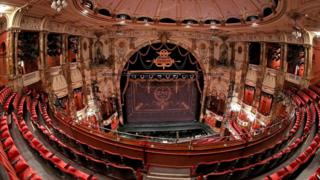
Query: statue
[223,60]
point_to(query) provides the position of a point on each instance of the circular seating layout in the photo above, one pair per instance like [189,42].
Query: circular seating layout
[284,159]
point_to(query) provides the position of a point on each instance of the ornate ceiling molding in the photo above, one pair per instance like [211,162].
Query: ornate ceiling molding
[201,17]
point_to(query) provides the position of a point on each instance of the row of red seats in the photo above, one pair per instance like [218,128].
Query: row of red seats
[252,170]
[74,154]
[312,94]
[133,162]
[6,166]
[241,164]
[298,101]
[311,117]
[298,121]
[4,93]
[316,89]
[8,101]
[291,170]
[20,106]
[259,167]
[23,170]
[316,174]
[16,100]
[235,126]
[46,154]
[306,99]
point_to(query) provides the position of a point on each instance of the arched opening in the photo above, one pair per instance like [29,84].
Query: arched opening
[161,83]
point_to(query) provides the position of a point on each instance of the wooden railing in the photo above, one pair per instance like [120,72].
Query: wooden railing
[183,154]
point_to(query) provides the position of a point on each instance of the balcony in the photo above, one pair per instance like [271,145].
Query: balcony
[31,78]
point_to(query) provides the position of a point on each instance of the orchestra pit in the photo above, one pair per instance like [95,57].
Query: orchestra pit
[159,89]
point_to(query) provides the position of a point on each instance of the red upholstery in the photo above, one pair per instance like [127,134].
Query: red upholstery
[20,165]
[12,153]
[27,174]
[8,142]
[5,134]
[35,143]
[28,135]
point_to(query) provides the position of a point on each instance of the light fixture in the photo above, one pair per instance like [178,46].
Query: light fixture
[297,31]
[58,5]
[85,12]
[317,33]
[213,25]
[4,8]
[122,20]
[235,107]
[146,22]
[188,25]
[251,116]
[254,23]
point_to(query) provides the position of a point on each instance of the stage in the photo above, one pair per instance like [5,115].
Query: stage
[188,129]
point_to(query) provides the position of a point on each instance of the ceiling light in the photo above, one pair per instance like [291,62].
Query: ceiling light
[254,24]
[146,22]
[297,33]
[188,25]
[254,21]
[58,5]
[213,25]
[3,8]
[122,20]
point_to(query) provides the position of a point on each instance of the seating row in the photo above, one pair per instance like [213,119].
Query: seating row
[59,164]
[23,170]
[203,168]
[4,93]
[119,159]
[110,169]
[298,164]
[252,170]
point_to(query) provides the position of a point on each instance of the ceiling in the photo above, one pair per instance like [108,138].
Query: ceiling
[227,15]
[199,10]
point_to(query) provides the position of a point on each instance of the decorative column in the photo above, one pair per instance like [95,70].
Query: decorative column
[281,74]
[263,68]
[43,60]
[82,69]
[244,70]
[307,66]
[66,71]
[11,58]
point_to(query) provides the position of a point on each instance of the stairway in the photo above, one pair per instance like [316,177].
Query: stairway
[163,173]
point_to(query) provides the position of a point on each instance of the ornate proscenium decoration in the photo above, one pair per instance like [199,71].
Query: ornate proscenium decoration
[164,60]
[58,5]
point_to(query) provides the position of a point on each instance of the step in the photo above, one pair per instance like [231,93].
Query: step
[154,177]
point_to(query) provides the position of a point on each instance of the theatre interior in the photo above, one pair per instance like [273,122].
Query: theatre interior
[159,89]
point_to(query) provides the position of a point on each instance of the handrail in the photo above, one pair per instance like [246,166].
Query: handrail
[266,131]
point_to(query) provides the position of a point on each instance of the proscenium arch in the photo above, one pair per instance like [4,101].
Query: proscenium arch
[150,51]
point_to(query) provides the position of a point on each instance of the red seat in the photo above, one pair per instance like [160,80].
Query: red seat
[3,128]
[58,162]
[13,153]
[8,142]
[20,165]
[293,166]
[27,174]
[44,152]
[28,135]
[24,128]
[5,134]
[22,123]
[35,143]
